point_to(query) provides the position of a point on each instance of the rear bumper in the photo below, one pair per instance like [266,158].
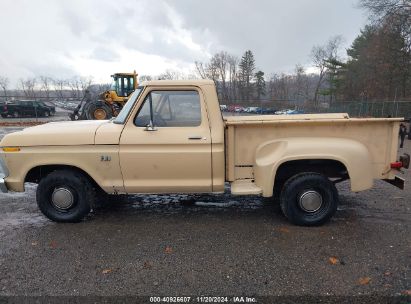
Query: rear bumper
[405,160]
[3,187]
[397,182]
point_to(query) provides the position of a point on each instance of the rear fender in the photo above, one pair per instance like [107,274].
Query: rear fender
[352,154]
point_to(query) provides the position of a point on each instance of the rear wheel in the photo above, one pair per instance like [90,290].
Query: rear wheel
[65,196]
[309,199]
[16,114]
[46,114]
[98,111]
[3,115]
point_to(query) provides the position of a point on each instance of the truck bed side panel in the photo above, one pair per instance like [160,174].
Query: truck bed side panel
[379,136]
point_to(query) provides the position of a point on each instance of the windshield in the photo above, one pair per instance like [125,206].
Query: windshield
[122,116]
[114,85]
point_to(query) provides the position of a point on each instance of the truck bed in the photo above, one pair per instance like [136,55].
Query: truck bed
[245,134]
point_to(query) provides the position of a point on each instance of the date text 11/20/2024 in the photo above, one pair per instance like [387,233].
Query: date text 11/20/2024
[203,299]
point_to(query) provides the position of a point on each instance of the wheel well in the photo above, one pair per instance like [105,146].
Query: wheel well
[37,173]
[328,167]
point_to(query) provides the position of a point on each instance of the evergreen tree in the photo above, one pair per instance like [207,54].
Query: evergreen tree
[260,84]
[379,66]
[246,73]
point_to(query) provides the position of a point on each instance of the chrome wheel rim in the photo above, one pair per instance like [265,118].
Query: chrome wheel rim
[62,198]
[310,201]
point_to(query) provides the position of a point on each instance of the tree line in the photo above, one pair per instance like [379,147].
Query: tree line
[50,88]
[377,67]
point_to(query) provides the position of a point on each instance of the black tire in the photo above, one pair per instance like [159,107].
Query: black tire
[278,187]
[4,115]
[46,114]
[82,193]
[321,199]
[16,114]
[97,106]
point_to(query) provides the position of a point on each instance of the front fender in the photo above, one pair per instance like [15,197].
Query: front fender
[87,158]
[352,154]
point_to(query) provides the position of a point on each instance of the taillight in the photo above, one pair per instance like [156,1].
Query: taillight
[396,165]
[404,162]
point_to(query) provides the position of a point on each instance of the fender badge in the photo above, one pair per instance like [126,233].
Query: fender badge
[105,158]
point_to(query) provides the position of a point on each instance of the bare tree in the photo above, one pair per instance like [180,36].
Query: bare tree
[201,70]
[321,55]
[300,83]
[4,83]
[209,70]
[74,84]
[59,87]
[46,85]
[171,75]
[145,78]
[28,86]
[220,60]
[232,75]
[85,83]
[381,10]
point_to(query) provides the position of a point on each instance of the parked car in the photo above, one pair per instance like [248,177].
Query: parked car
[50,105]
[223,108]
[289,112]
[268,111]
[21,108]
[253,110]
[292,112]
[239,109]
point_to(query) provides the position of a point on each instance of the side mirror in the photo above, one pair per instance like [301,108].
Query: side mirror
[150,127]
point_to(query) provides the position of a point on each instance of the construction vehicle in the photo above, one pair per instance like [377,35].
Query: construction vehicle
[109,103]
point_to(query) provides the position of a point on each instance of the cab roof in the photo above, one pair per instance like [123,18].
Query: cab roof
[195,82]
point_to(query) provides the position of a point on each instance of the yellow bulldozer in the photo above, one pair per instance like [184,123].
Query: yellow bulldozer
[109,103]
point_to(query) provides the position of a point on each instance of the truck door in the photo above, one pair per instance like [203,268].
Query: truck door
[166,146]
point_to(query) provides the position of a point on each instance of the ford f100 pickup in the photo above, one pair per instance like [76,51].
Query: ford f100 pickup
[171,138]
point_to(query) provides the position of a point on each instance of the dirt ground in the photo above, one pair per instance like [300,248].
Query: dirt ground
[176,245]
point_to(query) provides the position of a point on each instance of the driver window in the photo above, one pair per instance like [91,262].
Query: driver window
[170,109]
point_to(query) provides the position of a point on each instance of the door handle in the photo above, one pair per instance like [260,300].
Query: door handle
[196,137]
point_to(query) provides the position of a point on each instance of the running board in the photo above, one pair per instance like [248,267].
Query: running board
[245,187]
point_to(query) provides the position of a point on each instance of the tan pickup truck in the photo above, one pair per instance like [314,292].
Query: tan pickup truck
[171,138]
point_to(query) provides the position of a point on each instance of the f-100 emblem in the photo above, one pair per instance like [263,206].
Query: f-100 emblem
[105,158]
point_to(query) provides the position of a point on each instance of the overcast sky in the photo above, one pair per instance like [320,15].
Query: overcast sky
[98,37]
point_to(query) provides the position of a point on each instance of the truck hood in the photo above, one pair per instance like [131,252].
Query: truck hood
[66,133]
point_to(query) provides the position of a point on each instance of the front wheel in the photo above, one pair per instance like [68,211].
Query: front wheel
[65,196]
[309,199]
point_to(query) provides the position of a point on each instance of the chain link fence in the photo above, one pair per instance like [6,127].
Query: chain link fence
[371,109]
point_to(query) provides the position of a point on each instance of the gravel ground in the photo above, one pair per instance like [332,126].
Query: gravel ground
[174,245]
